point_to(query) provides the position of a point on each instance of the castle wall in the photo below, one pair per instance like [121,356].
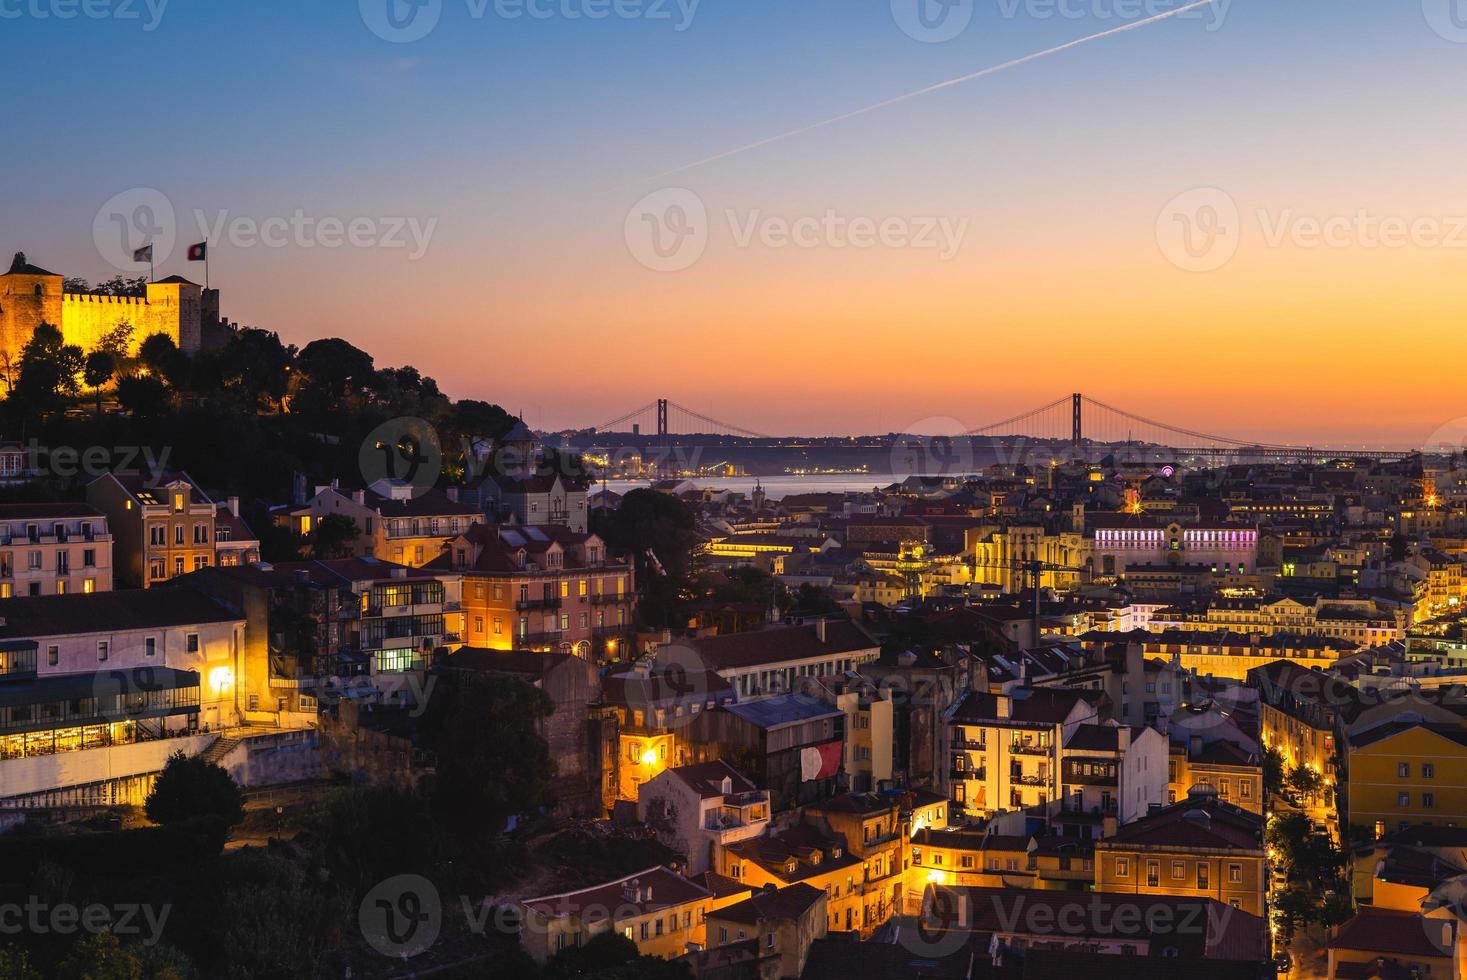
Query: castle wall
[177,309]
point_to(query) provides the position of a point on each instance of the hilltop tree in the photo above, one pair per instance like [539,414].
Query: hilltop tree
[48,370]
[189,788]
[257,364]
[99,367]
[333,371]
[492,762]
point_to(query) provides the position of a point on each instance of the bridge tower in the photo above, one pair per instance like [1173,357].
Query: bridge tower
[662,418]
[1077,434]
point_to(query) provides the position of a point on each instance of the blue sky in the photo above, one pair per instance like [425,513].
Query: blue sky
[527,140]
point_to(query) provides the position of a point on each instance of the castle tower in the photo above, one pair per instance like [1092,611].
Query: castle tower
[175,300]
[29,297]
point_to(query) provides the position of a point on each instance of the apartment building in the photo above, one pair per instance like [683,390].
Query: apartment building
[653,707]
[808,853]
[777,660]
[659,910]
[1406,774]
[162,526]
[1004,750]
[1114,769]
[53,549]
[395,521]
[542,587]
[1198,847]
[872,827]
[696,809]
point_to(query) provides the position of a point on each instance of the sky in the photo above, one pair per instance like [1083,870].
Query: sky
[1248,219]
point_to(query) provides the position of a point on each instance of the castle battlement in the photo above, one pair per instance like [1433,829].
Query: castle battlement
[96,298]
[31,296]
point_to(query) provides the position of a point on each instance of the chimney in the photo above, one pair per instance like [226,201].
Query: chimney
[820,628]
[233,504]
[1123,739]
[359,497]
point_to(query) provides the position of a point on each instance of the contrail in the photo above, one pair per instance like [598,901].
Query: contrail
[939,86]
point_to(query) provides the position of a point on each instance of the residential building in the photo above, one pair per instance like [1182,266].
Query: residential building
[1391,943]
[53,549]
[648,711]
[234,542]
[807,852]
[695,809]
[1114,769]
[1199,847]
[1406,774]
[778,659]
[658,909]
[534,498]
[872,826]
[315,628]
[162,526]
[543,587]
[396,521]
[790,744]
[1004,750]
[784,922]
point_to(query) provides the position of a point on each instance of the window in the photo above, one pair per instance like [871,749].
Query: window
[53,655]
[178,534]
[1403,800]
[89,585]
[1123,868]
[1235,873]
[1179,870]
[769,941]
[1201,875]
[157,534]
[89,557]
[102,650]
[1428,770]
[1403,770]
[1428,800]
[193,643]
[1245,789]
[1153,874]
[150,646]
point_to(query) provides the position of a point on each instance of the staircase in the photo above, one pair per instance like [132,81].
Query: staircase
[222,746]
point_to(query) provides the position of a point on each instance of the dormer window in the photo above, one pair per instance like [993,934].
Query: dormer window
[178,502]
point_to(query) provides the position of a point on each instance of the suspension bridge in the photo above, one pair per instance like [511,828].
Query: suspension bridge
[1077,419]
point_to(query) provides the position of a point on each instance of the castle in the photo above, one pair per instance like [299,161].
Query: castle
[30,296]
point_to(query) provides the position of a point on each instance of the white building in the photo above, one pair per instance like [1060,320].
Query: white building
[692,808]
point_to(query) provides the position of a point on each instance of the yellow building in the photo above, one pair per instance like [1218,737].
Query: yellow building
[1233,771]
[662,912]
[871,826]
[964,857]
[802,853]
[1199,847]
[1406,773]
[1387,942]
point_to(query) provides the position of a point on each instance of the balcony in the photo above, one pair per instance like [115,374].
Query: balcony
[970,744]
[1026,748]
[544,602]
[607,632]
[1027,780]
[537,639]
[979,774]
[609,598]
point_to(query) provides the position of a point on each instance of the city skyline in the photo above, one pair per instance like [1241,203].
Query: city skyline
[1036,214]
